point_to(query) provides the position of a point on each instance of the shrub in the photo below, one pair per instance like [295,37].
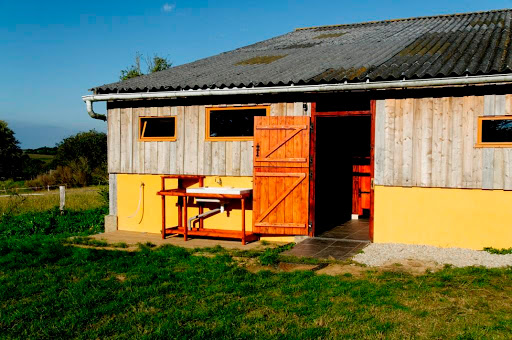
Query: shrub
[80,160]
[104,194]
[76,174]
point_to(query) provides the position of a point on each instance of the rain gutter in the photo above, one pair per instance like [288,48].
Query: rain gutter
[383,85]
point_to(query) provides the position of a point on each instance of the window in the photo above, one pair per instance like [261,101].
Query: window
[494,131]
[232,123]
[157,128]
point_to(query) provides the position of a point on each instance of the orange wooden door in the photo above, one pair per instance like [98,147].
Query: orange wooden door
[361,188]
[281,175]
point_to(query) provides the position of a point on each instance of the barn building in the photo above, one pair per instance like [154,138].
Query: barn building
[405,125]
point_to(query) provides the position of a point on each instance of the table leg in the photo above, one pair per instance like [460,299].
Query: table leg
[201,210]
[185,218]
[180,212]
[243,221]
[163,207]
[163,216]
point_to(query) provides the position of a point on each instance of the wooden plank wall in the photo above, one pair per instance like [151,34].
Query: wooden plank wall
[429,142]
[190,153]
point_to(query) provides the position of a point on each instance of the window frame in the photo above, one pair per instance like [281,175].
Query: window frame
[232,138]
[156,139]
[480,144]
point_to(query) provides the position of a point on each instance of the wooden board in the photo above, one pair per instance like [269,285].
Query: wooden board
[436,147]
[190,153]
[281,175]
[389,132]
[425,163]
[380,141]
[275,139]
[114,141]
[361,187]
[437,150]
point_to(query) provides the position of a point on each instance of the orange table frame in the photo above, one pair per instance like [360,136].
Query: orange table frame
[183,196]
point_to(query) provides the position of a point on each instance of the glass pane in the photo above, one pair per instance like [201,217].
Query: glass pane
[158,127]
[497,131]
[234,123]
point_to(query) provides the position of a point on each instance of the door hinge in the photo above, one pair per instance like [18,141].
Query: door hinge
[311,127]
[372,184]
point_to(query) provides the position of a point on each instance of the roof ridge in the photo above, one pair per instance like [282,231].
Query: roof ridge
[405,19]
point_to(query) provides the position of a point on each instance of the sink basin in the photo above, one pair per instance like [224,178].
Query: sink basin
[219,190]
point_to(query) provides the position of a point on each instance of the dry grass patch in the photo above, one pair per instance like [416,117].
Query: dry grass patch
[76,199]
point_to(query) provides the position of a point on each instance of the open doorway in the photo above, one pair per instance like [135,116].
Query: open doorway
[342,177]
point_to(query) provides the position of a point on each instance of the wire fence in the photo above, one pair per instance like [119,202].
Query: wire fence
[36,191]
[16,189]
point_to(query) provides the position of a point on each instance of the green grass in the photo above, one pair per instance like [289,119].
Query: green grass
[89,241]
[50,290]
[52,222]
[498,251]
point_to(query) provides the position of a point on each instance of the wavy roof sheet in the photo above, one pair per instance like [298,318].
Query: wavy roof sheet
[426,47]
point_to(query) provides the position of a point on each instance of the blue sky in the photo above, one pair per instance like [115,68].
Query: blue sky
[52,52]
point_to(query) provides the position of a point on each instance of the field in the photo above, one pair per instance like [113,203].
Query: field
[50,288]
[76,199]
[45,158]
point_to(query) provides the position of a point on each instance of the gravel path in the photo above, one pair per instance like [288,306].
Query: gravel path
[378,254]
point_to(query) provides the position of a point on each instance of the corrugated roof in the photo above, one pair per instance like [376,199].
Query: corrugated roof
[427,47]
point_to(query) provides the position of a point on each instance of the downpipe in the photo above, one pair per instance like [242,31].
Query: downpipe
[90,111]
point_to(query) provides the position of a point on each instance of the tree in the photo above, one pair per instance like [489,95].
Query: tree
[154,64]
[85,155]
[90,146]
[157,63]
[11,155]
[133,70]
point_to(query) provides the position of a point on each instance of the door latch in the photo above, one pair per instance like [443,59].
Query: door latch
[257,150]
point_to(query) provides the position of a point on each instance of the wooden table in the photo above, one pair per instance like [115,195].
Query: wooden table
[182,228]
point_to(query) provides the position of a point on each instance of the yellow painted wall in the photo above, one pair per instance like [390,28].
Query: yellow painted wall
[149,217]
[467,218]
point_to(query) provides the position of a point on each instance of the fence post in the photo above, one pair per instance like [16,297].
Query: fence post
[62,190]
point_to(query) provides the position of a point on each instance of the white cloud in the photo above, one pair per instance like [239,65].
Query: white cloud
[168,7]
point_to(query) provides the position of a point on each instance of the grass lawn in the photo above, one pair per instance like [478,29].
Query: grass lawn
[49,289]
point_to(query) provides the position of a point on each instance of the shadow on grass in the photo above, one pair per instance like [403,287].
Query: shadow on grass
[49,289]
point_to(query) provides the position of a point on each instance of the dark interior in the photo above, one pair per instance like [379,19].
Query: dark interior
[340,142]
[234,123]
[343,102]
[158,127]
[497,131]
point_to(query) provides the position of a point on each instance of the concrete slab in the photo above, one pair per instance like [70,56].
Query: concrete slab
[327,249]
[132,238]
